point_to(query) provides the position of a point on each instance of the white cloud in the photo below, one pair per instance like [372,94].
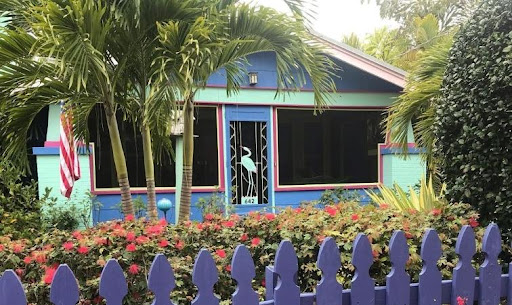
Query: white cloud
[336,18]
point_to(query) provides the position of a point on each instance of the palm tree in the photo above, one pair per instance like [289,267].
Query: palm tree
[70,59]
[222,38]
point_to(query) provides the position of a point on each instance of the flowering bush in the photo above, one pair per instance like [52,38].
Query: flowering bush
[135,242]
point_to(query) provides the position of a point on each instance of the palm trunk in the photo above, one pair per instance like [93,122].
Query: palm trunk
[119,162]
[149,169]
[188,159]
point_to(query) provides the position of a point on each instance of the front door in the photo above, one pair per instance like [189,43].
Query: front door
[248,162]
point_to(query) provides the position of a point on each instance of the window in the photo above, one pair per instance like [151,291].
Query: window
[329,148]
[205,152]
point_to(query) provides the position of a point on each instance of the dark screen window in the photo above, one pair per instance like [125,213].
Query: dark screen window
[205,152]
[329,148]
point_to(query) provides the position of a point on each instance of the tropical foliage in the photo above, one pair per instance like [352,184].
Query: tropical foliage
[135,242]
[473,121]
[428,199]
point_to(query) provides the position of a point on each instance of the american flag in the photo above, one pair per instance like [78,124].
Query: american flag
[69,166]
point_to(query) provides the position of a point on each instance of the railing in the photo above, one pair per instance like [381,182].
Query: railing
[464,288]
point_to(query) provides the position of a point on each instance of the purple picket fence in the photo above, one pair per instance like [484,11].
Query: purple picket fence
[281,279]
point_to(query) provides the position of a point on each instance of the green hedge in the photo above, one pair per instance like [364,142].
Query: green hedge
[473,124]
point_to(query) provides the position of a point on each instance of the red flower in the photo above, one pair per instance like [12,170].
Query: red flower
[436,212]
[320,238]
[331,210]
[228,268]
[2,247]
[155,230]
[208,216]
[244,237]
[255,241]
[17,248]
[100,241]
[216,227]
[97,300]
[131,247]
[133,269]
[129,217]
[384,206]
[221,253]
[130,236]
[270,216]
[27,260]
[179,244]
[163,243]
[473,222]
[142,239]
[354,217]
[228,224]
[20,272]
[298,210]
[408,235]
[162,222]
[77,235]
[461,300]
[82,250]
[200,226]
[375,253]
[49,274]
[68,246]
[40,257]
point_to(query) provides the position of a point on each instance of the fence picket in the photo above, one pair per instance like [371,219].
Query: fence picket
[161,280]
[242,270]
[286,266]
[362,290]
[490,271]
[204,276]
[329,291]
[464,273]
[11,289]
[398,281]
[429,291]
[64,288]
[113,285]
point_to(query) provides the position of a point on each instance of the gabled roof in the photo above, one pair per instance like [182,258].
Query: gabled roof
[362,61]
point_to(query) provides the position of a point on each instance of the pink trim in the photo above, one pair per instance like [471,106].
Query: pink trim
[290,105]
[276,151]
[381,163]
[52,144]
[365,64]
[300,90]
[394,145]
[220,145]
[325,187]
[158,190]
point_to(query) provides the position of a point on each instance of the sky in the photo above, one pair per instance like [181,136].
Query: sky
[336,18]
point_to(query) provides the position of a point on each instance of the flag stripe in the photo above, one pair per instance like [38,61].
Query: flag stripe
[69,165]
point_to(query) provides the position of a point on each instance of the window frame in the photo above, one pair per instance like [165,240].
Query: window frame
[323,186]
[170,189]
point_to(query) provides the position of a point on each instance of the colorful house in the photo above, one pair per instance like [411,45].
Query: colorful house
[257,150]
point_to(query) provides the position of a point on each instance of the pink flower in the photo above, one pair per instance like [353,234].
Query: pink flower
[82,250]
[2,247]
[49,274]
[436,212]
[331,210]
[27,260]
[228,224]
[133,269]
[179,244]
[384,206]
[20,272]
[244,237]
[142,239]
[255,241]
[40,257]
[162,222]
[228,268]
[200,226]
[163,243]
[270,216]
[221,253]
[131,247]
[77,235]
[130,236]
[208,216]
[298,210]
[17,248]
[354,217]
[68,246]
[461,300]
[100,241]
[473,222]
[129,217]
[408,235]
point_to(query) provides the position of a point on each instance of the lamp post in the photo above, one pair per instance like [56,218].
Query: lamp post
[164,205]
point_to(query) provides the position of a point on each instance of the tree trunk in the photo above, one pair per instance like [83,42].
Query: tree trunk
[149,169]
[119,162]
[188,159]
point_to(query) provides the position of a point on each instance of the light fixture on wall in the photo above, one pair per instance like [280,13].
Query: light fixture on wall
[253,78]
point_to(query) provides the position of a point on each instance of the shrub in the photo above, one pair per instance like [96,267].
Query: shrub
[137,242]
[473,123]
[19,203]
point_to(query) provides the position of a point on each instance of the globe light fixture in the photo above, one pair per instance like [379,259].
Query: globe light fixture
[164,205]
